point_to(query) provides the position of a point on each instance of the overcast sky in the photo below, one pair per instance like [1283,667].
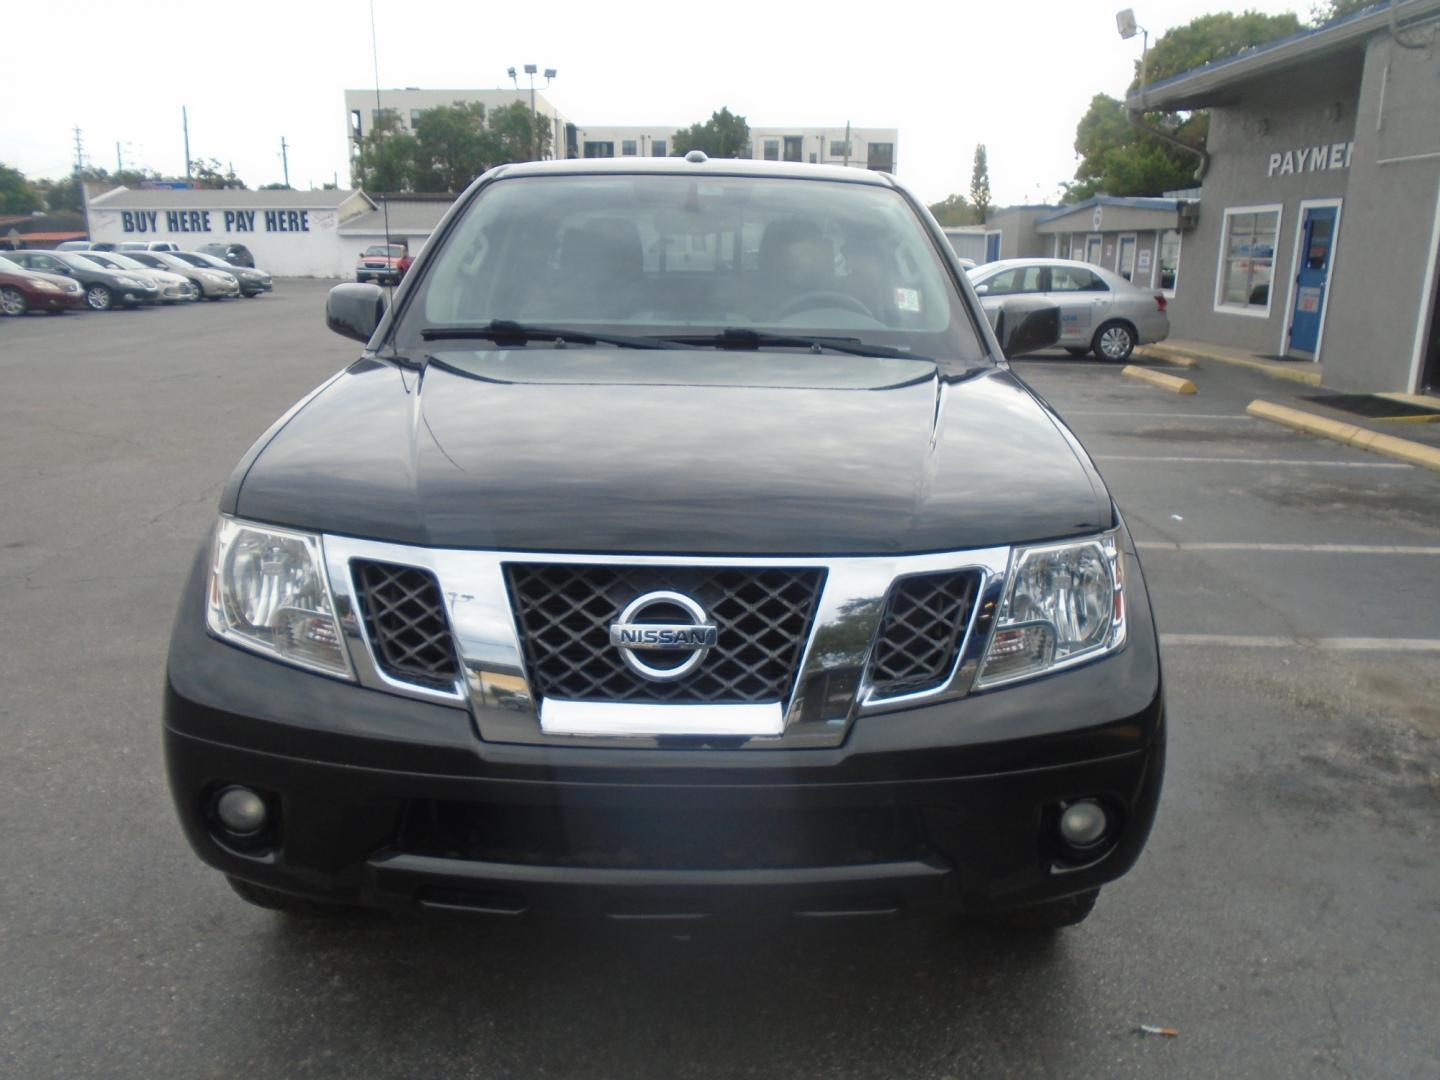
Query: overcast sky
[1014,75]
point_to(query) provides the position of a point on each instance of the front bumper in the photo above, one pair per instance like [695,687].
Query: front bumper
[380,277]
[58,302]
[393,802]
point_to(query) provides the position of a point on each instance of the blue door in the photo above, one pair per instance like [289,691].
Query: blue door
[1317,243]
[992,247]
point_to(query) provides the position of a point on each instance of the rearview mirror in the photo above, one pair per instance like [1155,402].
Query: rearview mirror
[354,310]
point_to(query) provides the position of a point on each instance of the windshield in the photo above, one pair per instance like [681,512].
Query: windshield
[679,255]
[380,249]
[10,267]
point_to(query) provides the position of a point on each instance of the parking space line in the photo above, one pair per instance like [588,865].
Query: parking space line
[1333,644]
[1156,415]
[1285,462]
[1303,549]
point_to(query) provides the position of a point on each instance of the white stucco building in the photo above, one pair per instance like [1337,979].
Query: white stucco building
[832,144]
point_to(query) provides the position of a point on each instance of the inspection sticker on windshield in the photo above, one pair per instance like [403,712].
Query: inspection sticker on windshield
[907,299]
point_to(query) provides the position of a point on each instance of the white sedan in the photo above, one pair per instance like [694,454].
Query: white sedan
[1099,309]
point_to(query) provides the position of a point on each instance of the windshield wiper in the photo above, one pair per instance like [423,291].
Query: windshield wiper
[735,337]
[508,332]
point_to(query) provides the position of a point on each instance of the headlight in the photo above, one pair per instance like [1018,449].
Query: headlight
[1063,603]
[48,286]
[268,592]
[212,278]
[135,283]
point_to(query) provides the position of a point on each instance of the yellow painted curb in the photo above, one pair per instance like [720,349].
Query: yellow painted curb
[1414,453]
[1159,378]
[1169,356]
[1272,368]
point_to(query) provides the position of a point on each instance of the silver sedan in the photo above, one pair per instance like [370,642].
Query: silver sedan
[1099,309]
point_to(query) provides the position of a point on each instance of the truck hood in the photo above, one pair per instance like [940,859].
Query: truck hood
[686,452]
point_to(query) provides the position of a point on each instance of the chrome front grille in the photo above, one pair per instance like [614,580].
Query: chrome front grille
[563,612]
[921,632]
[504,634]
[405,621]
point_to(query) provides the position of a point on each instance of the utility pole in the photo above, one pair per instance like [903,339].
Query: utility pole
[119,159]
[847,144]
[185,123]
[285,159]
[79,151]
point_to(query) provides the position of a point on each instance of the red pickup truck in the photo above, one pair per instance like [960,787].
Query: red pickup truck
[385,264]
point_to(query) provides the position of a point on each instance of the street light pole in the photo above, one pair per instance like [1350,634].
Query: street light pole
[531,70]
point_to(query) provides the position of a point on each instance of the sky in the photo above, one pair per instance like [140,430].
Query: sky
[1014,75]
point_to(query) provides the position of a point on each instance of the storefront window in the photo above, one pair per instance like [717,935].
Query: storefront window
[1248,254]
[1169,259]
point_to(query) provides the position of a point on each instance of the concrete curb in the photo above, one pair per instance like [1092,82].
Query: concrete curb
[1413,453]
[1165,356]
[1159,378]
[1271,368]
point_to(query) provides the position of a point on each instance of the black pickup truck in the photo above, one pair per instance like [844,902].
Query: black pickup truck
[680,545]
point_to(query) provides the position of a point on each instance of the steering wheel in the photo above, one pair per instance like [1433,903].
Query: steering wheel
[804,302]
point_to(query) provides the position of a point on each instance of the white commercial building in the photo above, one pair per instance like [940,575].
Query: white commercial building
[290,233]
[835,144]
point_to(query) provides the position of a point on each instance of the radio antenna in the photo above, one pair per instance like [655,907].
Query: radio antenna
[378,125]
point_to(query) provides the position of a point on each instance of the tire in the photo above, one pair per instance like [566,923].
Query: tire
[99,298]
[1076,350]
[13,301]
[1054,915]
[1114,341]
[275,900]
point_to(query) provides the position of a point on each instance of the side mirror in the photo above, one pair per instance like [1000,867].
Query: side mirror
[1027,329]
[982,290]
[354,310]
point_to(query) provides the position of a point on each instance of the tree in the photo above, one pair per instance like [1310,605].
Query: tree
[954,210]
[452,146]
[385,159]
[207,174]
[1116,157]
[1208,38]
[17,194]
[980,183]
[1330,10]
[519,134]
[724,135]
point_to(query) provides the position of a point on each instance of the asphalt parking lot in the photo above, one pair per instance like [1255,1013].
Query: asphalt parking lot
[1285,919]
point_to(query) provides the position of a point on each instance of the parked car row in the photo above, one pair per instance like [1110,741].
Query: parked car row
[102,278]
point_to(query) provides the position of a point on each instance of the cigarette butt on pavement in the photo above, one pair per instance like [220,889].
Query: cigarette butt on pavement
[1151,1029]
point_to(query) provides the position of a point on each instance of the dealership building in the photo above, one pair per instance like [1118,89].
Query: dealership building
[1317,230]
[290,233]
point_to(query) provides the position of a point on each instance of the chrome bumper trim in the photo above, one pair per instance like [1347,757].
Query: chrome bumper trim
[621,718]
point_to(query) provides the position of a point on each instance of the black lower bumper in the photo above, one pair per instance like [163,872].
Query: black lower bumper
[368,836]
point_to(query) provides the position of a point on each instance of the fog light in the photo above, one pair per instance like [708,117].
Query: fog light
[241,811]
[1083,823]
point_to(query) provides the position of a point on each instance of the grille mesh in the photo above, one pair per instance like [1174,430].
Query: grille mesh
[405,620]
[921,632]
[564,613]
